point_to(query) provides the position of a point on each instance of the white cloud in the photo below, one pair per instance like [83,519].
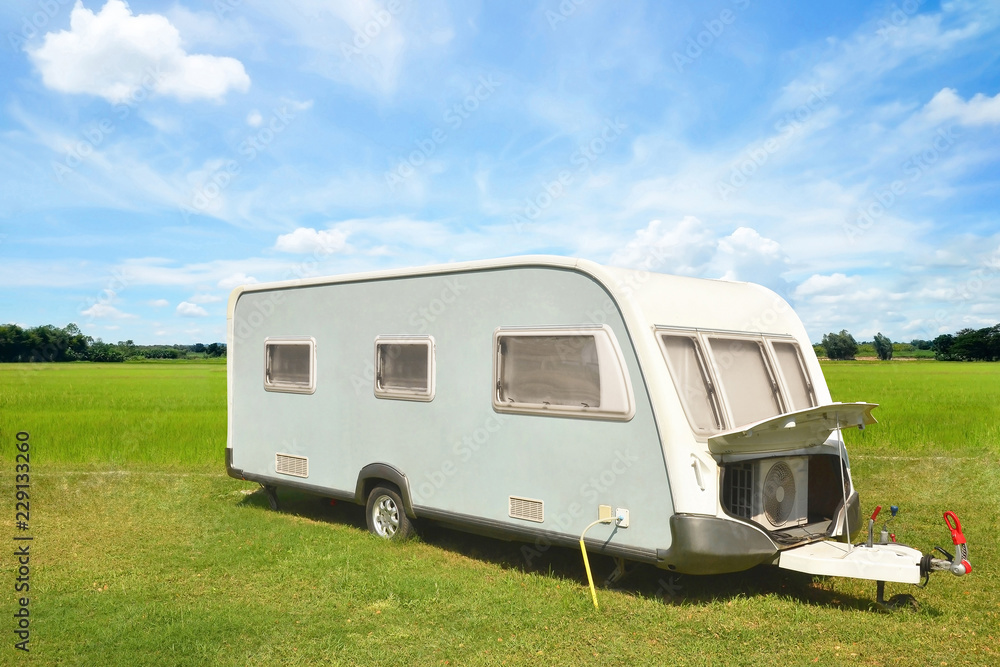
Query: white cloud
[159,303]
[307,240]
[690,248]
[205,298]
[105,311]
[235,280]
[836,283]
[120,56]
[682,249]
[188,309]
[365,43]
[980,110]
[254,119]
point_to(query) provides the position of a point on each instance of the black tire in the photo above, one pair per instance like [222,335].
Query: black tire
[385,514]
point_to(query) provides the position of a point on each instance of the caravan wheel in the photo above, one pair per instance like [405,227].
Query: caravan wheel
[385,514]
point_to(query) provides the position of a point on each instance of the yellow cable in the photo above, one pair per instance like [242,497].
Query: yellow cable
[586,561]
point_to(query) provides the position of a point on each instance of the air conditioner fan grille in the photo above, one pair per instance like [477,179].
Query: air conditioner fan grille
[779,493]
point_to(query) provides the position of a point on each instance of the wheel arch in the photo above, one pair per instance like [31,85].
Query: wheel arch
[373,473]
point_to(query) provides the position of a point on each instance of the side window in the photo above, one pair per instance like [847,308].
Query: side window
[797,385]
[750,388]
[290,365]
[691,378]
[404,367]
[576,372]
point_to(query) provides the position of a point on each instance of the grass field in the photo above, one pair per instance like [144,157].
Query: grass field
[146,553]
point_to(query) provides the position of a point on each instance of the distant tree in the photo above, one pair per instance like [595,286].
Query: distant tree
[840,346]
[942,347]
[128,349]
[101,351]
[216,350]
[993,342]
[922,344]
[883,347]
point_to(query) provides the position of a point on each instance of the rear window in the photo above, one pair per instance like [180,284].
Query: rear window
[749,385]
[693,384]
[797,385]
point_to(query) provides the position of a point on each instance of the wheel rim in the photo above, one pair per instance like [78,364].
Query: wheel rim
[385,516]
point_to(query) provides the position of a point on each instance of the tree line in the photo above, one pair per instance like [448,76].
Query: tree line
[50,343]
[964,345]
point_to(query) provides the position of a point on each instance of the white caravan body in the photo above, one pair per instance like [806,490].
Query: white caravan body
[516,397]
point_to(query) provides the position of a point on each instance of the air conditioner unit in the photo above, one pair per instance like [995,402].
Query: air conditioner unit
[781,492]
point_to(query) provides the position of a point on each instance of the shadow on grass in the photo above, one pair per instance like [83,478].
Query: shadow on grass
[642,580]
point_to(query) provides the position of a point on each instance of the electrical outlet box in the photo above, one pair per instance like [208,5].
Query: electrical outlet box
[621,517]
[604,512]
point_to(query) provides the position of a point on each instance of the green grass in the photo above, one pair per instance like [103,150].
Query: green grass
[139,559]
[151,412]
[925,408]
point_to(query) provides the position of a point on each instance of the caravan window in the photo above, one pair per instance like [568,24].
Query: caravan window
[797,385]
[404,367]
[746,378]
[568,372]
[691,378]
[290,365]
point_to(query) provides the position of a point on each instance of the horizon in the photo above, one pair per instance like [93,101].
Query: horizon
[158,154]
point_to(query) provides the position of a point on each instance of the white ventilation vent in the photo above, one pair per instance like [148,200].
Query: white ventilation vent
[527,509]
[288,464]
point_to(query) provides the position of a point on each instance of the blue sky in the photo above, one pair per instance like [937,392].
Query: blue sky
[153,155]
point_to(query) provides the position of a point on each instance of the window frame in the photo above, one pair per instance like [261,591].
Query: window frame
[401,393]
[785,385]
[777,390]
[290,387]
[716,401]
[617,398]
[703,347]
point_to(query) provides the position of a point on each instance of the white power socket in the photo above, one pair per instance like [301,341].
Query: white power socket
[621,517]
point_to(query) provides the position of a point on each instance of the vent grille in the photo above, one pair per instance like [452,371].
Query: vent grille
[779,493]
[288,464]
[527,509]
[739,490]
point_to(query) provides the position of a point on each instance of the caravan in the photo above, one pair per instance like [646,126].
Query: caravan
[528,398]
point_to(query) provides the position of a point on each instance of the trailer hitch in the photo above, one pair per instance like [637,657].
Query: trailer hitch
[958,564]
